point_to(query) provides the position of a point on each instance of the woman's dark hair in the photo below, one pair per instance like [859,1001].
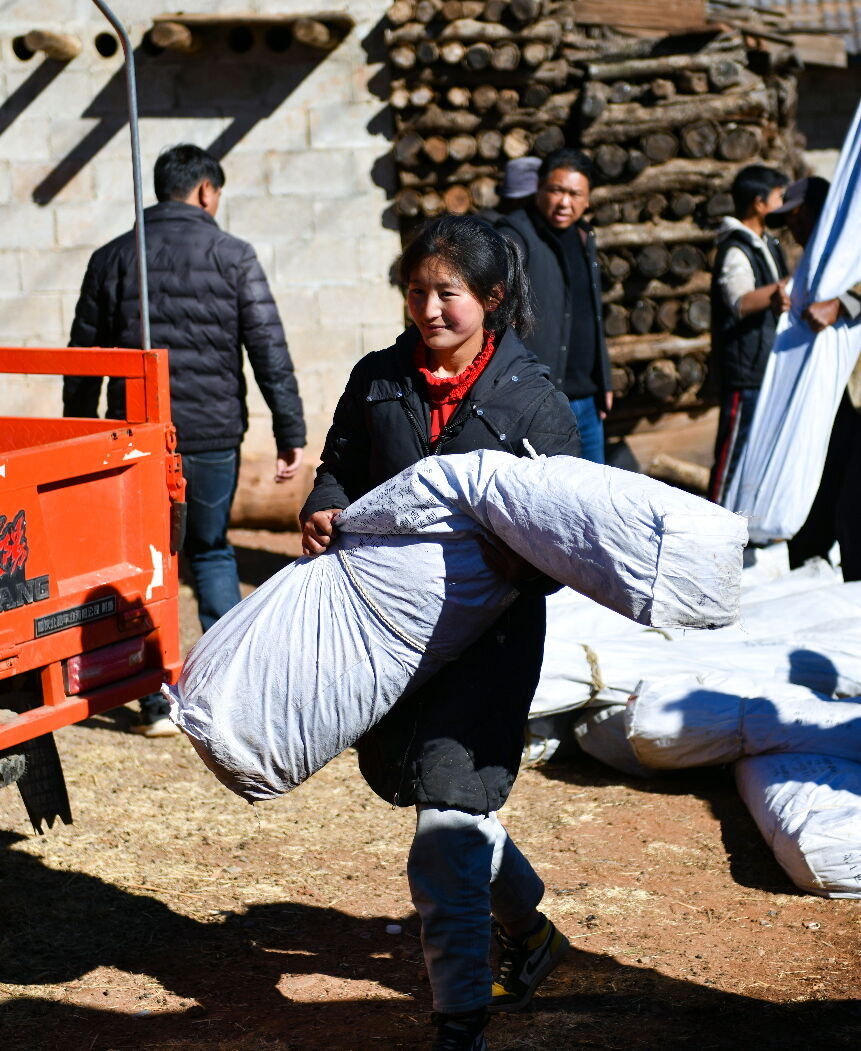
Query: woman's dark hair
[179,169]
[756,180]
[486,262]
[568,160]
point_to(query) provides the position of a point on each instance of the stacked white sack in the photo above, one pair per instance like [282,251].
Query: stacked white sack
[782,460]
[808,809]
[810,637]
[681,721]
[296,672]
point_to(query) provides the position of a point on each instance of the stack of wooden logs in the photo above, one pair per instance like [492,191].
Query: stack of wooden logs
[667,134]
[668,122]
[475,84]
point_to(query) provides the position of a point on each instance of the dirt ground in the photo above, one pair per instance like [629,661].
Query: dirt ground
[173,915]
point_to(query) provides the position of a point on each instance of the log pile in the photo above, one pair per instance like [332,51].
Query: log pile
[667,121]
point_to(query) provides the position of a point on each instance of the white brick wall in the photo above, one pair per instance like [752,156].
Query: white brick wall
[299,188]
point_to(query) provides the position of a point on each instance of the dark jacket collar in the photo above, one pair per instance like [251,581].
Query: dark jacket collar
[172,211]
[510,356]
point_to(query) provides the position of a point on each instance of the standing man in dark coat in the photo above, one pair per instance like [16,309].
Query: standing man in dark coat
[561,259]
[208,298]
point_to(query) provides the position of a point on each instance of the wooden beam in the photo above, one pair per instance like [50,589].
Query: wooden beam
[641,14]
[820,49]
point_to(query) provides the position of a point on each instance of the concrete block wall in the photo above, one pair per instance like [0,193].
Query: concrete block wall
[302,186]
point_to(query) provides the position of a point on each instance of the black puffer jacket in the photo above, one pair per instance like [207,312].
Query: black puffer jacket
[456,741]
[208,297]
[549,280]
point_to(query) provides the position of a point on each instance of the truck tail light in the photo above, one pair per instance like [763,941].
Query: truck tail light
[86,671]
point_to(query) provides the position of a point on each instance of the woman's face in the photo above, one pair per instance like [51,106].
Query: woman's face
[446,312]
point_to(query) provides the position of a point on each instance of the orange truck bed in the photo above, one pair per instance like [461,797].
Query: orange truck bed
[91,515]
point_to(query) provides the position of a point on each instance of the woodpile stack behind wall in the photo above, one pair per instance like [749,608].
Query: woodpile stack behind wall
[667,121]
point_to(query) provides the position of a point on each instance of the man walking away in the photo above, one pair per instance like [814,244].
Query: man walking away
[748,295]
[208,297]
[561,258]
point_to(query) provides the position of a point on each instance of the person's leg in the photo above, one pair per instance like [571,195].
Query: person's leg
[449,870]
[516,889]
[849,500]
[461,868]
[530,945]
[154,719]
[211,483]
[820,530]
[736,416]
[591,428]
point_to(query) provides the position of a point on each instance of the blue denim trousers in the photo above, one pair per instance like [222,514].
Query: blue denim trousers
[210,487]
[462,868]
[591,428]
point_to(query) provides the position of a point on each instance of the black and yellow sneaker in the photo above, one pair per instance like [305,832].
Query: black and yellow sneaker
[524,965]
[460,1032]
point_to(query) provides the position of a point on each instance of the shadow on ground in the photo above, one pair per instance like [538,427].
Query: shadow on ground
[61,925]
[751,862]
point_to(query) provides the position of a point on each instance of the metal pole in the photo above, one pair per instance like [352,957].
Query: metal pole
[140,236]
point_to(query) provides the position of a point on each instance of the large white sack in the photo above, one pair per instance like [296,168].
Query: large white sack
[803,627]
[808,809]
[600,732]
[680,721]
[637,546]
[301,668]
[781,464]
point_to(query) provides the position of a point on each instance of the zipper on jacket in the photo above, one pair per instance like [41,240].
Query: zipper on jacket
[411,416]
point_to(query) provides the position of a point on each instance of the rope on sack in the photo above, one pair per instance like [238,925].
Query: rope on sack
[597,684]
[414,644]
[530,450]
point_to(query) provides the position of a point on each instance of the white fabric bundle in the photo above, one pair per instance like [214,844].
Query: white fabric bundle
[301,668]
[681,721]
[600,732]
[803,628]
[781,464]
[808,809]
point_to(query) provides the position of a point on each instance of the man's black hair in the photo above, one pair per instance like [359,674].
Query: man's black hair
[181,168]
[756,180]
[568,159]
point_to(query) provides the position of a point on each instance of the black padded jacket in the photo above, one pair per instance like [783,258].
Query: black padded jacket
[456,741]
[547,268]
[208,297]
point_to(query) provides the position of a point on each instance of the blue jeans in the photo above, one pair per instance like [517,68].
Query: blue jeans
[211,484]
[591,428]
[462,868]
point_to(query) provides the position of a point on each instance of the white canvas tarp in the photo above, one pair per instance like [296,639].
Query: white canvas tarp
[303,666]
[682,721]
[803,627]
[781,465]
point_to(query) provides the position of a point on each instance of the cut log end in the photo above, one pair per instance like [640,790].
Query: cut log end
[62,47]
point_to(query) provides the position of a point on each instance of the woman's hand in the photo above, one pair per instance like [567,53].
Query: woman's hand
[318,531]
[506,563]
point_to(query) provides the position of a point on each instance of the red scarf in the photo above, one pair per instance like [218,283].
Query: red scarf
[445,393]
